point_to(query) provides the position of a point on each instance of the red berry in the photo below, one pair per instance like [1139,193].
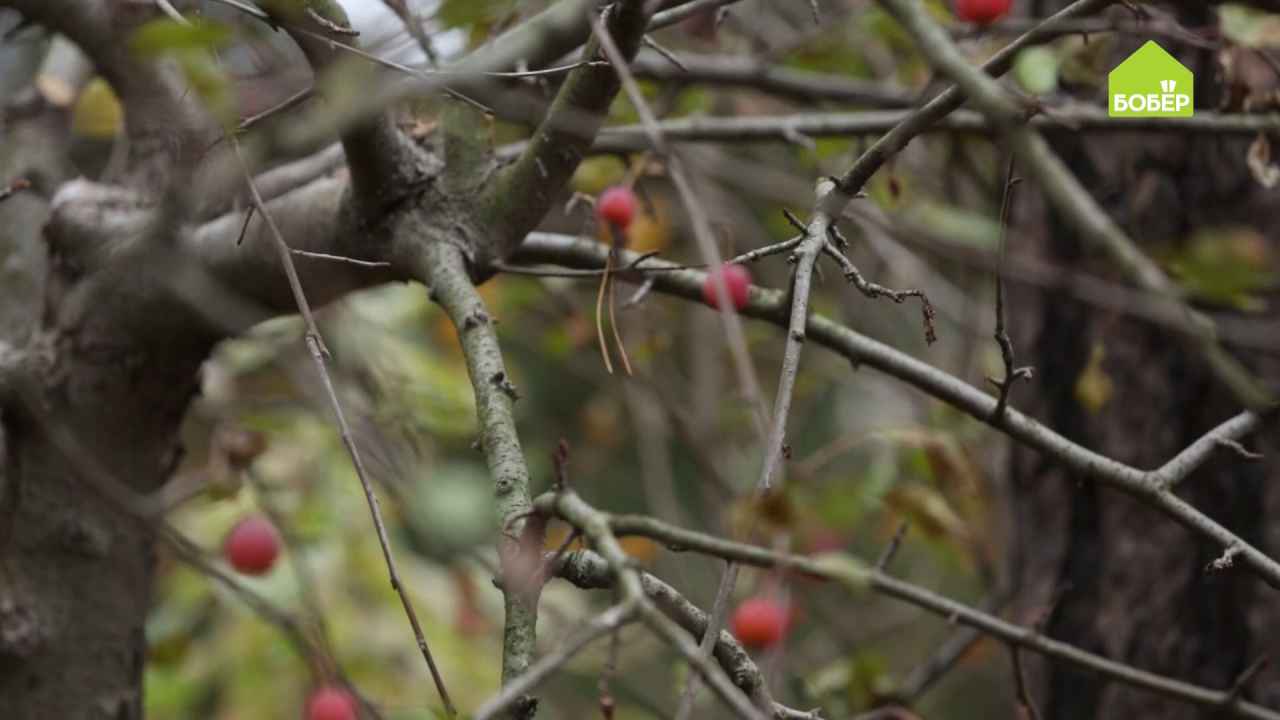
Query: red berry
[760,622]
[982,12]
[331,703]
[737,280]
[252,545]
[617,206]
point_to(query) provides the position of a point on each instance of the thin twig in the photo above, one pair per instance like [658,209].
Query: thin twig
[847,571]
[733,326]
[318,351]
[605,623]
[1244,678]
[340,258]
[1012,373]
[1023,695]
[190,554]
[666,54]
[285,105]
[1149,486]
[891,549]
[875,290]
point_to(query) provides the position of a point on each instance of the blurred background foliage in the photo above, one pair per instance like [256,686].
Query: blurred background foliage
[676,440]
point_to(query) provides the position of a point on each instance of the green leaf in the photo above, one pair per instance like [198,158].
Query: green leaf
[163,36]
[844,569]
[1036,70]
[1227,266]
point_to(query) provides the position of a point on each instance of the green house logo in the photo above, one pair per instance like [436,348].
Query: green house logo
[1150,83]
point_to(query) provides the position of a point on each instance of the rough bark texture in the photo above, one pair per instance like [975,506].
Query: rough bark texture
[1128,582]
[75,570]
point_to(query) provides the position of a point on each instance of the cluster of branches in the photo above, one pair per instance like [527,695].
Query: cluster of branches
[453,214]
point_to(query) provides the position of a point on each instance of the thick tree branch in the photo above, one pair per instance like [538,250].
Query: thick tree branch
[587,569]
[96,224]
[568,505]
[168,129]
[384,163]
[444,269]
[766,304]
[524,192]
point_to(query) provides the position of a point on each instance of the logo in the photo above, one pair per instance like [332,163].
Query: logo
[1150,83]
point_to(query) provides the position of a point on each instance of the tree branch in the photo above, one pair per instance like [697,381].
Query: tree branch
[384,163]
[444,269]
[523,193]
[856,576]
[603,624]
[1072,199]
[168,130]
[766,304]
[748,72]
[586,569]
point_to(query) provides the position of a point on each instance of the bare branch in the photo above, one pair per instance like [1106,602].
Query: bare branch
[848,572]
[524,192]
[443,268]
[765,305]
[605,623]
[1073,200]
[749,72]
[318,352]
[1012,373]
[737,342]
[383,162]
[1186,462]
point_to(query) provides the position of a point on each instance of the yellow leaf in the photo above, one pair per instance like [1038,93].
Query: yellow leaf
[595,174]
[640,548]
[928,510]
[1094,387]
[97,112]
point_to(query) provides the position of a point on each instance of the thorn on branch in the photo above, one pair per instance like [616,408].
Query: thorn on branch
[508,388]
[838,237]
[667,54]
[1240,450]
[640,294]
[892,548]
[14,187]
[1025,703]
[560,463]
[795,221]
[1226,561]
[248,216]
[475,320]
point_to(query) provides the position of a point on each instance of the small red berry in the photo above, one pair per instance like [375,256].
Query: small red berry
[760,622]
[982,12]
[617,206]
[252,545]
[331,703]
[737,280]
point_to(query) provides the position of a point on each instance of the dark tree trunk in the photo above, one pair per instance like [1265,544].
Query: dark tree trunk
[102,411]
[1099,569]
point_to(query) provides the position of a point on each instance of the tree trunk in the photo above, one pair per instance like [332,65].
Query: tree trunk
[100,411]
[1097,568]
